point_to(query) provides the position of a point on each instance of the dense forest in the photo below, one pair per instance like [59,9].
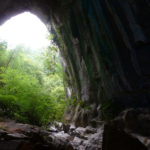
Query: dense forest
[31,84]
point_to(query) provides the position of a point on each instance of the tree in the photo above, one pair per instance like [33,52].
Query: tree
[38,87]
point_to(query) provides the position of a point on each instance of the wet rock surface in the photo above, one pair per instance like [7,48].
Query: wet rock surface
[17,136]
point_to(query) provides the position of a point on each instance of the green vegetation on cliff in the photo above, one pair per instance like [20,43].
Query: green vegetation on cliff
[31,85]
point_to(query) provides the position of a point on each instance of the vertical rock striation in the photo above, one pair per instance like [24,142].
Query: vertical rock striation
[105,44]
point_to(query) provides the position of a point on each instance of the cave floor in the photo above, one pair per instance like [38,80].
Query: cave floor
[18,136]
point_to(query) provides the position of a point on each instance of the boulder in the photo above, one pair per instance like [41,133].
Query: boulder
[129,131]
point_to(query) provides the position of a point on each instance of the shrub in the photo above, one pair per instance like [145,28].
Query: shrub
[8,105]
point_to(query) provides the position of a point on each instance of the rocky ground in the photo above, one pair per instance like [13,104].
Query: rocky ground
[17,136]
[129,131]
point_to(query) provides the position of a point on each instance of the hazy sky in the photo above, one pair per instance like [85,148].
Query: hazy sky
[24,29]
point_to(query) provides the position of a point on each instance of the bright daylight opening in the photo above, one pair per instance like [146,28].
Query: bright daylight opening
[31,85]
[25,29]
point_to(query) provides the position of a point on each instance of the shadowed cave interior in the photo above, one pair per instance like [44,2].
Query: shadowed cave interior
[105,46]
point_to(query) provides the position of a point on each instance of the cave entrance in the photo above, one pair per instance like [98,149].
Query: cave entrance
[26,29]
[31,85]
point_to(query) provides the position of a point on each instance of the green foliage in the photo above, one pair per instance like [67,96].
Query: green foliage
[51,60]
[60,102]
[8,105]
[34,83]
[3,53]
[73,101]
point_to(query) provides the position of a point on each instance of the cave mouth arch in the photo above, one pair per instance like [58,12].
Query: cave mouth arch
[106,64]
[38,76]
[42,9]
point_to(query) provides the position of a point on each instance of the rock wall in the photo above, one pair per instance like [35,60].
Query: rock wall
[105,49]
[105,45]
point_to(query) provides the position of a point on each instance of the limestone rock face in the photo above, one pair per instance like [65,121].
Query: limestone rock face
[104,46]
